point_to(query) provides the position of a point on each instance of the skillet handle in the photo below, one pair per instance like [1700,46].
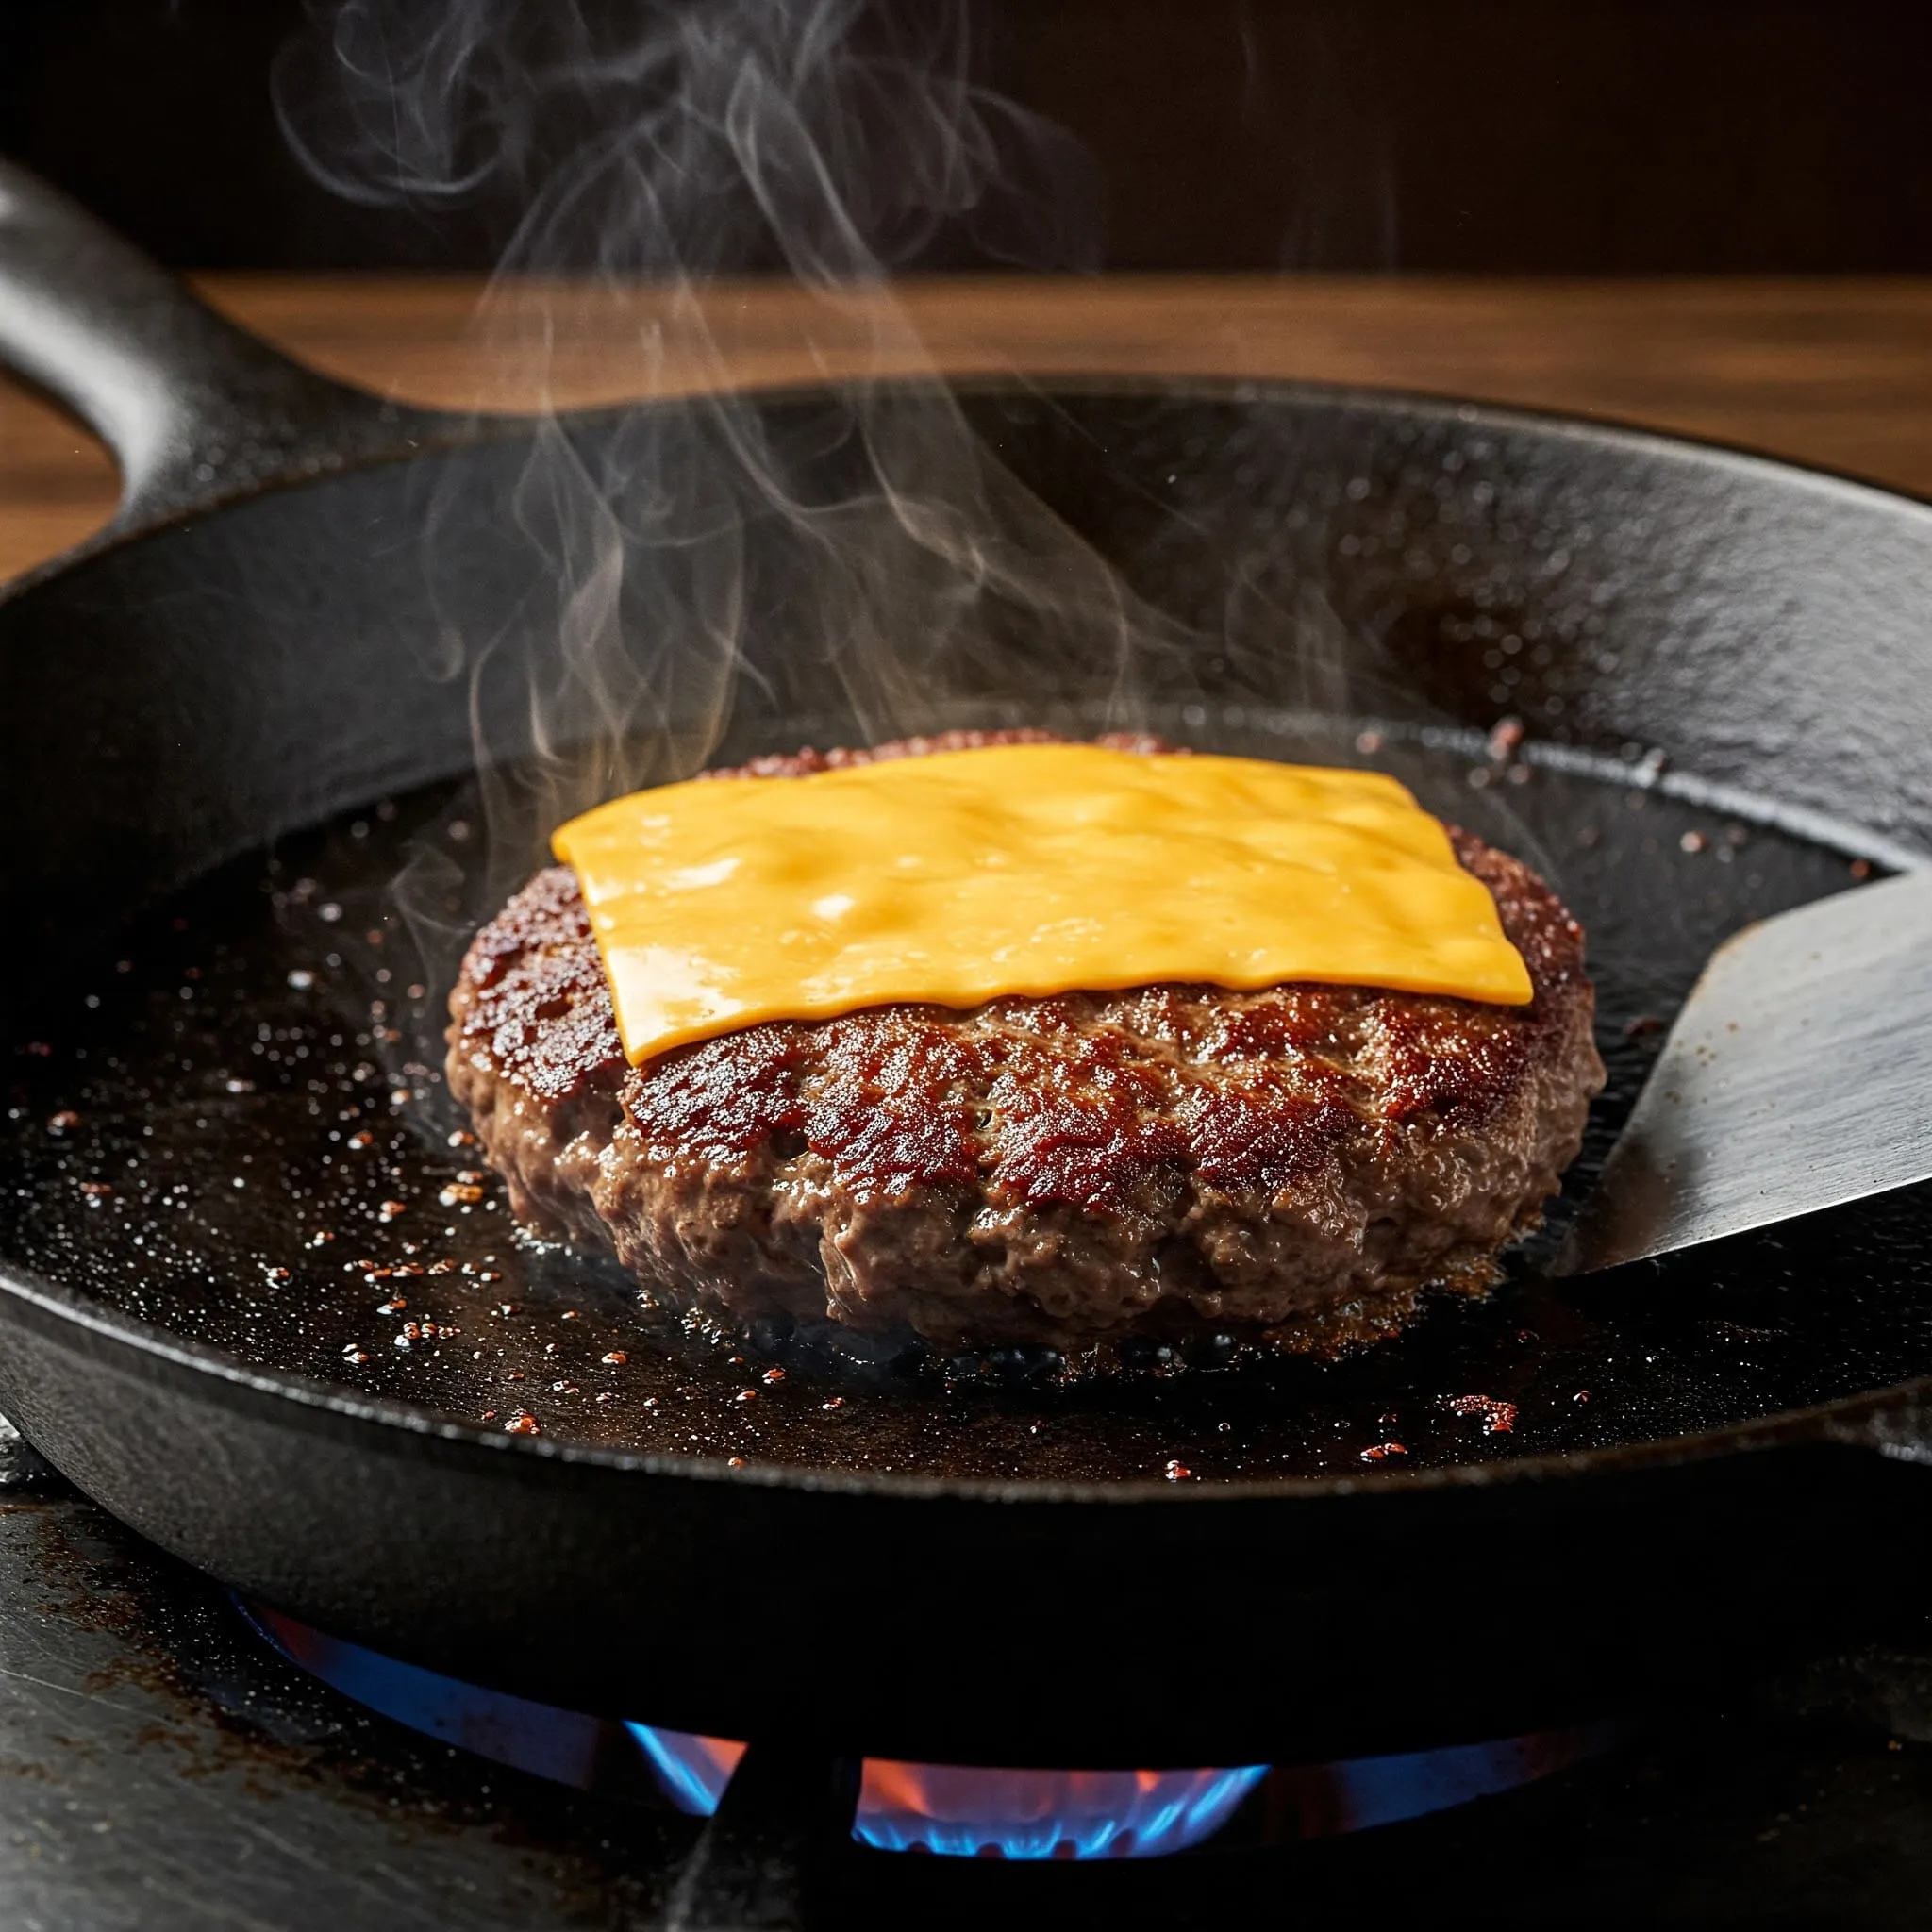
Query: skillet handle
[195,409]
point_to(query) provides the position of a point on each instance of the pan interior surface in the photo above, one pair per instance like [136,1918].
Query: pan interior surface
[234,1129]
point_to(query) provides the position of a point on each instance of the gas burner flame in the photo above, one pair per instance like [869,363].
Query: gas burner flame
[961,1811]
[949,1810]
[968,1811]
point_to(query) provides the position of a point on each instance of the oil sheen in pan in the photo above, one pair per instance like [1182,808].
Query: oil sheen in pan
[238,1132]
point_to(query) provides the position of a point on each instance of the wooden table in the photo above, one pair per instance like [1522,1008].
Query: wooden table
[1831,370]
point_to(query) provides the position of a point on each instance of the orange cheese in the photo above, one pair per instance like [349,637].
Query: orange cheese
[1020,868]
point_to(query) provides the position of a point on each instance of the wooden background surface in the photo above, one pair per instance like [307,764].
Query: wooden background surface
[1832,371]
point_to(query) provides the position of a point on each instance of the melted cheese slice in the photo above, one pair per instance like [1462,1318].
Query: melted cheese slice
[1020,868]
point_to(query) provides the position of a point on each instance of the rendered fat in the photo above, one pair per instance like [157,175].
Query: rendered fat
[1020,868]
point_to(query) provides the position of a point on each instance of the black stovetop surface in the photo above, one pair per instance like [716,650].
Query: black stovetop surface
[160,1769]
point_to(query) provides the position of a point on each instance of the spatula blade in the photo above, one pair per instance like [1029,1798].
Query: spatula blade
[1798,1077]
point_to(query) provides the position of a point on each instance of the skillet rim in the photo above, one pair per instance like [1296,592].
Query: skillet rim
[1844,1421]
[447,432]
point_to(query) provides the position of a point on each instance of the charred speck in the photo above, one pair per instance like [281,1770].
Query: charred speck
[1497,1417]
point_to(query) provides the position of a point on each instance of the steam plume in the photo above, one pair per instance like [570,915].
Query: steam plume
[858,568]
[660,145]
[864,568]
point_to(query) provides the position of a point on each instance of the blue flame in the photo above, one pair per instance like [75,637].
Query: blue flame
[692,1771]
[961,1812]
[968,1812]
[1383,1790]
[956,1812]
[538,1738]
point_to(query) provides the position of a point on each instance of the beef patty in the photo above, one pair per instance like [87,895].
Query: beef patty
[1294,1163]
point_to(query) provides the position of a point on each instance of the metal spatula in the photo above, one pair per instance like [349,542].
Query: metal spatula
[1798,1077]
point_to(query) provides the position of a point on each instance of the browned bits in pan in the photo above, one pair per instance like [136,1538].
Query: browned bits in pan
[1498,1417]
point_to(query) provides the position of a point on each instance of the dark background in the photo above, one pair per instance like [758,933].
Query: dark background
[1619,136]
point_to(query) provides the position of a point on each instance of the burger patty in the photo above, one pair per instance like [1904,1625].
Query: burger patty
[1295,1163]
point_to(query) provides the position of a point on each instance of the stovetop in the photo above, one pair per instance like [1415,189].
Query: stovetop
[161,1768]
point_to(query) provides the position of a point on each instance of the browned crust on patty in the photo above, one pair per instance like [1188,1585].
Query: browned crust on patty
[1297,1161]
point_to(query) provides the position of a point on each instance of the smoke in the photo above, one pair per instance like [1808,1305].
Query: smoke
[652,571]
[655,146]
[667,138]
[626,591]
[855,566]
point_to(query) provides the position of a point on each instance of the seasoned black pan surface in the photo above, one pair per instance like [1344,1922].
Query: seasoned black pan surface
[237,1133]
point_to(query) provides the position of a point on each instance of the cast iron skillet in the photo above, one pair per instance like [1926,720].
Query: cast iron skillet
[242,656]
